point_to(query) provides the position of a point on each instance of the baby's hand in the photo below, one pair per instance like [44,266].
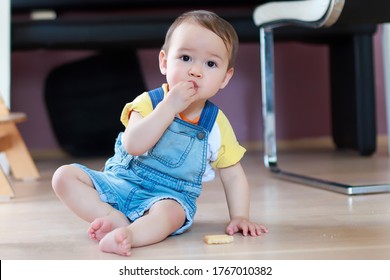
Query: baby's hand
[181,95]
[245,226]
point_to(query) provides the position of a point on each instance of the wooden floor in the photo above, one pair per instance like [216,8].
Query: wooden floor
[304,222]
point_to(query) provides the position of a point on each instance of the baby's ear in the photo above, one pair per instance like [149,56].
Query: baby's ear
[162,58]
[228,76]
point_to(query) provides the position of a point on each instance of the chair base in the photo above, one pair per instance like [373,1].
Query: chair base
[328,185]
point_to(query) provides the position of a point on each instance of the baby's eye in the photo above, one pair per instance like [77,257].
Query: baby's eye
[185,58]
[211,64]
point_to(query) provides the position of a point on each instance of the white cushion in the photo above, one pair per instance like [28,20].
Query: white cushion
[303,10]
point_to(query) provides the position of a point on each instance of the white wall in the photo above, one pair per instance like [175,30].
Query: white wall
[5,51]
[5,62]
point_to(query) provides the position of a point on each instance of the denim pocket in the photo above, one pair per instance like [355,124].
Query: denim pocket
[173,148]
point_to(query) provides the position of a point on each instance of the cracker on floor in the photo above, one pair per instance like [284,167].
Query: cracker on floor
[218,239]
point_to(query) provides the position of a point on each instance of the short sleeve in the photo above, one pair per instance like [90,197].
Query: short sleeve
[230,151]
[141,104]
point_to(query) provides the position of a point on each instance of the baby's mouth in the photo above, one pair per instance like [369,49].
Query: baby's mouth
[195,85]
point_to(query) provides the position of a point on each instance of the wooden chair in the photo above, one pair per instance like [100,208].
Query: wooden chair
[18,156]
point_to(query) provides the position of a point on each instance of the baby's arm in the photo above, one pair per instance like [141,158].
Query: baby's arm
[237,195]
[143,133]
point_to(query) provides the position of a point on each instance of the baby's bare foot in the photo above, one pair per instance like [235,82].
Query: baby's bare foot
[99,228]
[117,241]
[103,225]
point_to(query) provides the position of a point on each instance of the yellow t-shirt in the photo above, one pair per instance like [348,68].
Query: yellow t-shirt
[223,147]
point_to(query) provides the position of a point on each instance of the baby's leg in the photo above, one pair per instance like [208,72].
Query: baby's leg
[74,187]
[163,218]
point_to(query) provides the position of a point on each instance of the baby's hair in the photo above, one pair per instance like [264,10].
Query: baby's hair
[212,22]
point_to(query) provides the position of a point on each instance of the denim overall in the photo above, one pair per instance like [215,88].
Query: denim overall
[172,169]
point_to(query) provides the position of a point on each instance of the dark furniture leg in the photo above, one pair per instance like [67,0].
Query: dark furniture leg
[353,93]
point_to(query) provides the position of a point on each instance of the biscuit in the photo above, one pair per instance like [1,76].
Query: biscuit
[218,239]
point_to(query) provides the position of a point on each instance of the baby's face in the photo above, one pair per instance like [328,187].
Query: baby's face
[198,55]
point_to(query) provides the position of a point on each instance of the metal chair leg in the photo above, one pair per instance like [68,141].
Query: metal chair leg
[270,147]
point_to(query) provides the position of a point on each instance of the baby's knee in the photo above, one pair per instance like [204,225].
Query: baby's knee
[174,212]
[61,178]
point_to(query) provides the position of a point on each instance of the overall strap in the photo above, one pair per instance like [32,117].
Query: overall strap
[209,112]
[208,116]
[156,95]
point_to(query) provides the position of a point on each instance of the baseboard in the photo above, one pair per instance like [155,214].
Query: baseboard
[39,154]
[309,144]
